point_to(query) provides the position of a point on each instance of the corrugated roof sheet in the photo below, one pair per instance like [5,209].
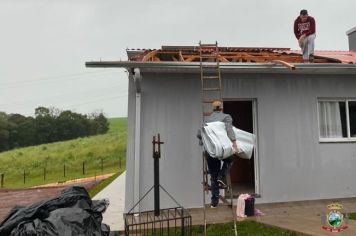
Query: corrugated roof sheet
[345,57]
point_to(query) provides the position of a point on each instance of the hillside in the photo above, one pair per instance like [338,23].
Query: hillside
[60,161]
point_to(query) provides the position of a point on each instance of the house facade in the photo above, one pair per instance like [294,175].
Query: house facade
[304,117]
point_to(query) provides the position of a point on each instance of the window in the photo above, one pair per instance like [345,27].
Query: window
[337,120]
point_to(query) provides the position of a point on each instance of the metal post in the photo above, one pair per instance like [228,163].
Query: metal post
[64,170]
[24,176]
[44,173]
[156,156]
[83,167]
[156,184]
[102,166]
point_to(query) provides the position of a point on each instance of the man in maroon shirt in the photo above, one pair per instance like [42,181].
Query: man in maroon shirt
[304,31]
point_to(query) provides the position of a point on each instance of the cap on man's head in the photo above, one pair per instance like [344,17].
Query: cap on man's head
[303,12]
[217,103]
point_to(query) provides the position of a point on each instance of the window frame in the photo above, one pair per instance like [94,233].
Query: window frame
[347,139]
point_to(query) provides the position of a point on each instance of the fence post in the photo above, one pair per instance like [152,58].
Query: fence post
[2,180]
[44,173]
[83,167]
[24,176]
[102,166]
[64,170]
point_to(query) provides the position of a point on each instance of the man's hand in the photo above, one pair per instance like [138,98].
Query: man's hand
[235,147]
[301,41]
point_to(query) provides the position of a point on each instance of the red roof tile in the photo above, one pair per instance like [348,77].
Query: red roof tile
[345,57]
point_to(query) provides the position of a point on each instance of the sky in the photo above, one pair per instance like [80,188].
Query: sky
[44,44]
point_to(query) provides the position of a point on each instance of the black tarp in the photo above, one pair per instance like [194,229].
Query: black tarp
[71,213]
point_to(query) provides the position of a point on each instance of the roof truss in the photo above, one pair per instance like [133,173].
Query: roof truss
[225,56]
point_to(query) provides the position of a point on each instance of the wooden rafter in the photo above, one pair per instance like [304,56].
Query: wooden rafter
[181,56]
[149,56]
[227,56]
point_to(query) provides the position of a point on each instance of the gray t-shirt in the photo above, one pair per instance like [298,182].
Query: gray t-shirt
[222,117]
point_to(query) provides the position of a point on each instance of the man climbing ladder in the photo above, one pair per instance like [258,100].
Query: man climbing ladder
[217,173]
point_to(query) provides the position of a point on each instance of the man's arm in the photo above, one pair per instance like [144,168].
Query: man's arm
[312,27]
[228,126]
[230,133]
[296,29]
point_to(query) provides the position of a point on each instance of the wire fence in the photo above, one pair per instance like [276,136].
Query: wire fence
[44,173]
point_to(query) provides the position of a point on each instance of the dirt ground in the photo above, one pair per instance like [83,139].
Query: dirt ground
[24,197]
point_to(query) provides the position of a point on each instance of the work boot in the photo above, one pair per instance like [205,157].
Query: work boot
[222,182]
[311,58]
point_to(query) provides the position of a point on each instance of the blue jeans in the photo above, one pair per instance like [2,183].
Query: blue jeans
[217,172]
[308,46]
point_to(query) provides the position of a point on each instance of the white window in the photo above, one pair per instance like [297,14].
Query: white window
[337,120]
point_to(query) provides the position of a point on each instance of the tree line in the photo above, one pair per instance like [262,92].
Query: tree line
[49,125]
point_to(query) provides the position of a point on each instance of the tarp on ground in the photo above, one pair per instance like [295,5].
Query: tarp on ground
[218,145]
[71,213]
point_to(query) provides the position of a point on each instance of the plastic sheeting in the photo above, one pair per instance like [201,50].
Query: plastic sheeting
[71,213]
[218,145]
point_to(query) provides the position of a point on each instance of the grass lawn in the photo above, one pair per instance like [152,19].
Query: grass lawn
[61,161]
[352,216]
[244,228]
[103,184]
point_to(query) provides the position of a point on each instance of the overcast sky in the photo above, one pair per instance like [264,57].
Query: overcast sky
[44,44]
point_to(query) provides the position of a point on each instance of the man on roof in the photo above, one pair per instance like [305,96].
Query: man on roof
[304,31]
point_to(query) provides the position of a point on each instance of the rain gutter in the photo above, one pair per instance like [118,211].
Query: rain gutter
[230,67]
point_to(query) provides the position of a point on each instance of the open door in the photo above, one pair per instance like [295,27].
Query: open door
[243,172]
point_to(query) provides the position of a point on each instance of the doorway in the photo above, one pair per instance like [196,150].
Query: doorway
[243,172]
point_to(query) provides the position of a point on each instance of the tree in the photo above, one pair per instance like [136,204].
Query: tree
[45,126]
[72,125]
[26,133]
[102,124]
[5,131]
[49,125]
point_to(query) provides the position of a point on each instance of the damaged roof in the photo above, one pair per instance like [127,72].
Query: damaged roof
[236,54]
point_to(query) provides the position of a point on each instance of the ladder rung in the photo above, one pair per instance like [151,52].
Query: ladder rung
[224,200]
[211,77]
[211,89]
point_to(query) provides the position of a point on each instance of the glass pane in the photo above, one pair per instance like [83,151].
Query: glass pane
[332,119]
[352,113]
[342,106]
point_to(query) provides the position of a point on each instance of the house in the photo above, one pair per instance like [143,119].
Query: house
[304,119]
[352,38]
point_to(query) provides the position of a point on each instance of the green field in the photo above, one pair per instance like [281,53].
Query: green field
[61,161]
